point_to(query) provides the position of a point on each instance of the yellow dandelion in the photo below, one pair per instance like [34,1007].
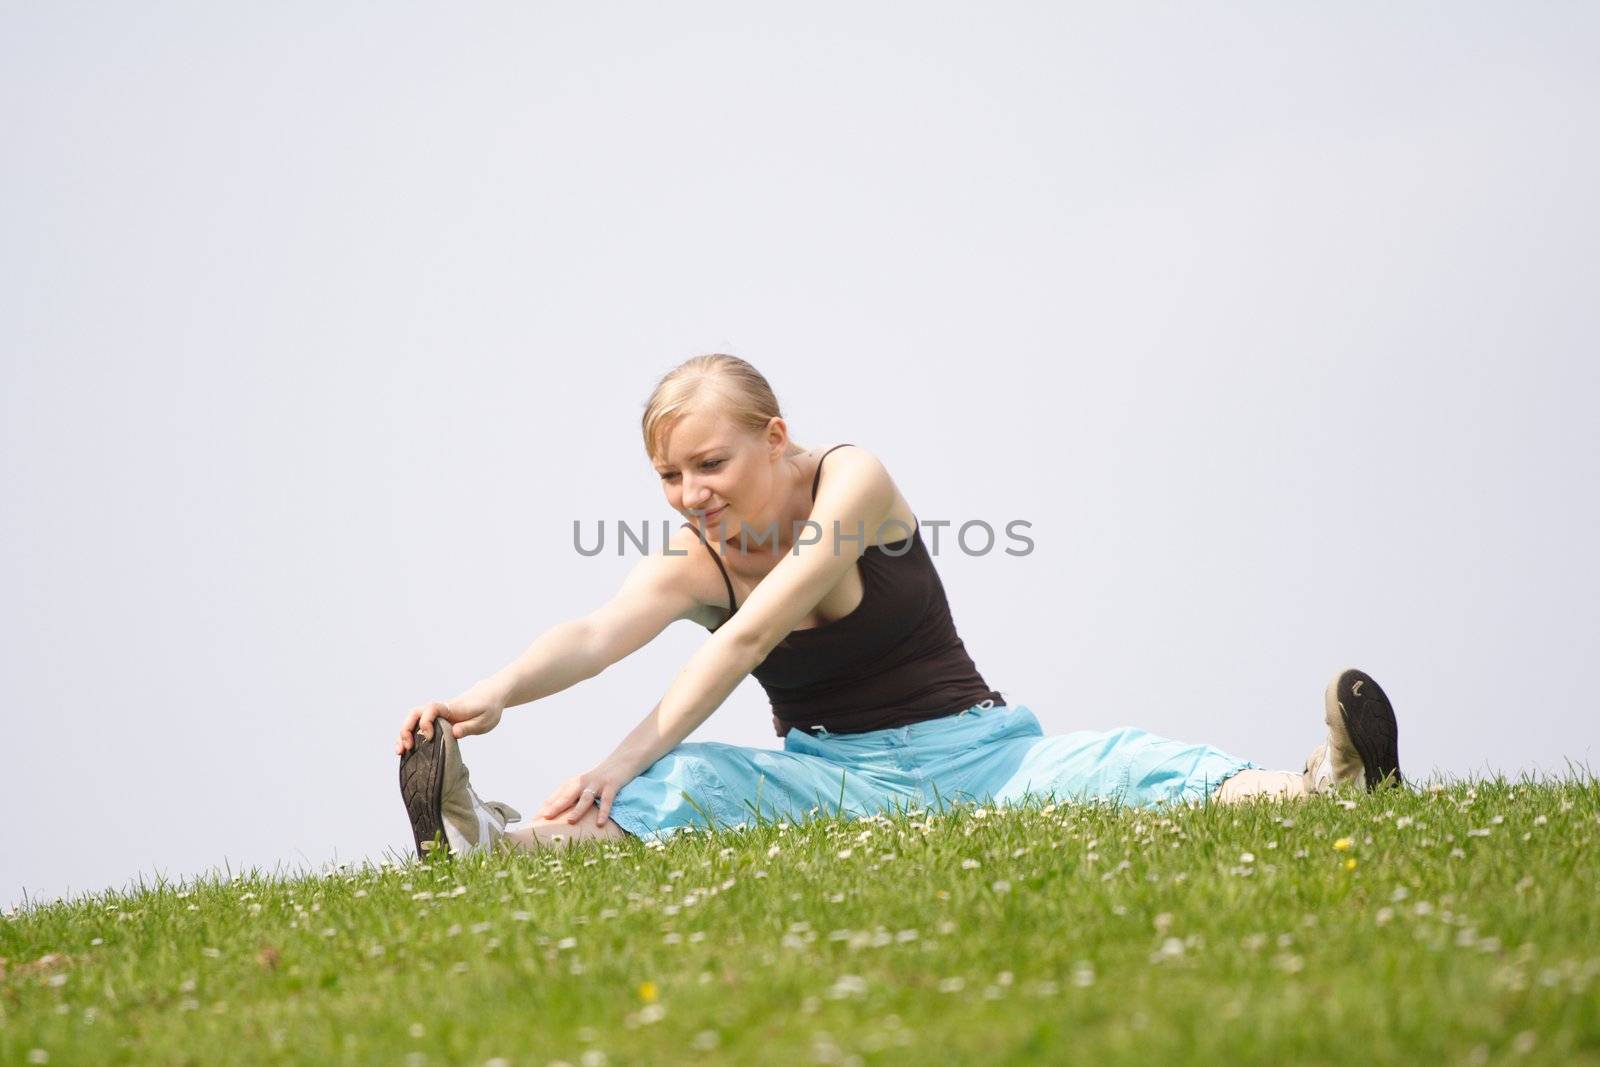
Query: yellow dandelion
[648,992]
[1342,845]
[1350,864]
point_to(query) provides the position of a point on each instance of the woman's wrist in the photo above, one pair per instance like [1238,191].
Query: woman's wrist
[489,690]
[633,759]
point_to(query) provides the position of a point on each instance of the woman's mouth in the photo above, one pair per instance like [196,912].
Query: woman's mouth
[711,516]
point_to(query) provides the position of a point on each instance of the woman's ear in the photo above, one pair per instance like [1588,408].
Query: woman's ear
[777,437]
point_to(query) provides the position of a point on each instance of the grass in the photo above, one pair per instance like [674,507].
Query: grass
[1454,923]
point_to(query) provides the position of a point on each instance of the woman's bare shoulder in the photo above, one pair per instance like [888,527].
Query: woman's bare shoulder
[695,570]
[843,454]
[900,519]
[849,452]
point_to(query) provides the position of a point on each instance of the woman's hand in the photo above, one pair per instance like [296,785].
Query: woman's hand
[578,794]
[473,712]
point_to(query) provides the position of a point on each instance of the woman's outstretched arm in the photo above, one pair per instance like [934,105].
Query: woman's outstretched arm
[657,591]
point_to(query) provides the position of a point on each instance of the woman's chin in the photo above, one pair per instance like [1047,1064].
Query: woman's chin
[717,523]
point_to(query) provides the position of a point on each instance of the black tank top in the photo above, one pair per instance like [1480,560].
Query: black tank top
[896,659]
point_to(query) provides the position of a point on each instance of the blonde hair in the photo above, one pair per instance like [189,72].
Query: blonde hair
[733,387]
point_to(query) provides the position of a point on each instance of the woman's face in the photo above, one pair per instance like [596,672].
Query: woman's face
[715,474]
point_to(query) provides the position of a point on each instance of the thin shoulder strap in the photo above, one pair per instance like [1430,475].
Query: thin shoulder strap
[732,607]
[818,479]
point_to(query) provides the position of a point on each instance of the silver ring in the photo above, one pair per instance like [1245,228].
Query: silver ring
[588,790]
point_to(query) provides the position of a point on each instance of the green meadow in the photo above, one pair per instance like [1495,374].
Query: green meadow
[1449,923]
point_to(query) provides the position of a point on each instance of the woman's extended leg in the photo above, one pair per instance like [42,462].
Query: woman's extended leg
[541,834]
[1360,748]
[705,784]
[1254,782]
[1002,753]
[436,788]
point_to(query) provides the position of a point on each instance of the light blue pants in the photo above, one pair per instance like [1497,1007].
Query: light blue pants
[987,754]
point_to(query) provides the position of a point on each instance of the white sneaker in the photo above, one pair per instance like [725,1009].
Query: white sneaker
[439,798]
[1362,745]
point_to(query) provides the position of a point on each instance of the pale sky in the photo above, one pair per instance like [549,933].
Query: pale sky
[323,324]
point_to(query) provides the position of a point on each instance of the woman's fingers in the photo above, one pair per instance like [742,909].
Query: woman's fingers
[421,718]
[558,809]
[571,815]
[586,798]
[574,798]
[412,718]
[569,802]
[432,712]
[559,800]
[481,722]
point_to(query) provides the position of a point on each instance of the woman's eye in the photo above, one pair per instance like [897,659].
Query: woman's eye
[708,465]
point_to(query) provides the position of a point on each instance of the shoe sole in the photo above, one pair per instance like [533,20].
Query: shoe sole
[422,789]
[1369,721]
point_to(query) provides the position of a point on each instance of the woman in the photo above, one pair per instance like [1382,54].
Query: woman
[823,589]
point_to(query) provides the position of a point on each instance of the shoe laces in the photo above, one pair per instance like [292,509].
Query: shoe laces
[1320,769]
